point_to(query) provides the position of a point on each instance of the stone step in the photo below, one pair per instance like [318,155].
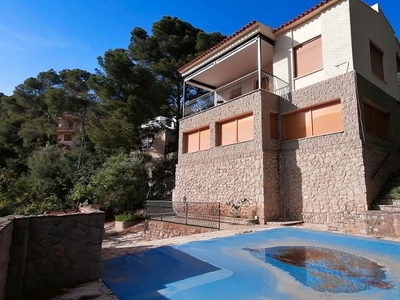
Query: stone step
[391,184]
[386,207]
[390,201]
[385,196]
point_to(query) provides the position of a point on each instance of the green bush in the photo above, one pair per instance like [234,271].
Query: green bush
[128,217]
[395,192]
[121,185]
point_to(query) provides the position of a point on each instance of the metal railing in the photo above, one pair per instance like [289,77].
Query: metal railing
[236,89]
[202,214]
[199,104]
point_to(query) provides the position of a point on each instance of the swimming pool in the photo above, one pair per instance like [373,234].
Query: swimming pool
[282,263]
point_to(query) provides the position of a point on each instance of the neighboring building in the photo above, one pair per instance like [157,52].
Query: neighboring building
[161,141]
[68,126]
[301,122]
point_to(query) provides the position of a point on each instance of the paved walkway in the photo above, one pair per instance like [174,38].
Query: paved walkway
[132,241]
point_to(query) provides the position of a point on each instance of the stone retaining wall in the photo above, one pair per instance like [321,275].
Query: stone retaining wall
[6,227]
[371,223]
[155,230]
[243,177]
[52,252]
[323,177]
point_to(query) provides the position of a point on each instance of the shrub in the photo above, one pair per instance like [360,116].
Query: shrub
[395,192]
[121,185]
[128,217]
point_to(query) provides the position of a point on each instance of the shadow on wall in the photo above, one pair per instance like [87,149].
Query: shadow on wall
[291,181]
[381,154]
[52,252]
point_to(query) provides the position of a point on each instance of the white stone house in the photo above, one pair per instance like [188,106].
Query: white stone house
[300,122]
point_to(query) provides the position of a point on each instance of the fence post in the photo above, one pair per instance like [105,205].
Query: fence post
[219,216]
[186,210]
[161,210]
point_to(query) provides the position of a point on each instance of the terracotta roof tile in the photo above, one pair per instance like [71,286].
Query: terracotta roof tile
[308,11]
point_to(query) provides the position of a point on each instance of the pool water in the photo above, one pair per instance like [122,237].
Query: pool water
[324,269]
[282,263]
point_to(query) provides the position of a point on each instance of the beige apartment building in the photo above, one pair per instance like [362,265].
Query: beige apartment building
[301,122]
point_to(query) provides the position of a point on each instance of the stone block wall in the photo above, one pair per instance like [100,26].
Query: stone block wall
[52,252]
[377,149]
[6,227]
[371,223]
[155,230]
[322,178]
[236,175]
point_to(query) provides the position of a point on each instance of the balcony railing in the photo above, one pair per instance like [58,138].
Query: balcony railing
[236,89]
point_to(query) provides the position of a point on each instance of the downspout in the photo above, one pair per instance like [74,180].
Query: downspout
[183,98]
[259,62]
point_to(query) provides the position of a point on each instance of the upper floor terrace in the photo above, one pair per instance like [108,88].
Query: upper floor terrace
[239,65]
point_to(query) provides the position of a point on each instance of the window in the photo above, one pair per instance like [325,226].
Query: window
[376,120]
[197,140]
[376,60]
[273,132]
[316,120]
[67,137]
[308,57]
[236,130]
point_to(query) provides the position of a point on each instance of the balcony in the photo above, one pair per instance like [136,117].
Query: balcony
[236,89]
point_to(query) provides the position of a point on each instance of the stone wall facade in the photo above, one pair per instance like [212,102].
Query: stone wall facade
[381,154]
[51,252]
[241,176]
[155,230]
[6,227]
[371,223]
[322,179]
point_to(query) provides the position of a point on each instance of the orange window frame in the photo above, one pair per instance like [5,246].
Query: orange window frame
[316,120]
[236,130]
[376,120]
[197,140]
[376,56]
[307,57]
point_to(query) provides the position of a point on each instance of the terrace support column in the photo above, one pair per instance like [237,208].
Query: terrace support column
[183,98]
[259,62]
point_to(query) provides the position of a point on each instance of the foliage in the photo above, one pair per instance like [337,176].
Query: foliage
[395,193]
[173,44]
[29,117]
[130,95]
[128,217]
[50,175]
[121,185]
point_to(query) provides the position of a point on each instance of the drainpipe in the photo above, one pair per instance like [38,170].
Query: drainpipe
[259,61]
[183,98]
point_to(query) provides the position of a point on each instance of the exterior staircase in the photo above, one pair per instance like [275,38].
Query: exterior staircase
[384,201]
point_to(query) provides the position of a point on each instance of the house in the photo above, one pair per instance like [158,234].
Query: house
[161,141]
[301,122]
[67,126]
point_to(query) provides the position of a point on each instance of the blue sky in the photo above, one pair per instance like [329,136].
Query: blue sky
[38,35]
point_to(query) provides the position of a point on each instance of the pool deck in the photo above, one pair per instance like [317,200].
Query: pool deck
[116,246]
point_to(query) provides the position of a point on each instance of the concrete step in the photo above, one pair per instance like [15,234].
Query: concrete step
[386,207]
[391,201]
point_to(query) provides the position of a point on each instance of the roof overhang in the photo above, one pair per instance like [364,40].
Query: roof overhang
[237,39]
[236,63]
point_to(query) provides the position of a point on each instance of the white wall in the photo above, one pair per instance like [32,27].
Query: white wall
[333,25]
[369,24]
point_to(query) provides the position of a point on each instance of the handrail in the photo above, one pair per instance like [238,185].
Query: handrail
[235,89]
[381,165]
